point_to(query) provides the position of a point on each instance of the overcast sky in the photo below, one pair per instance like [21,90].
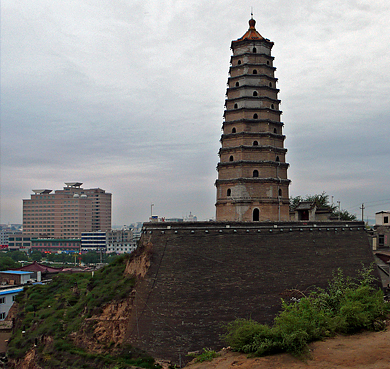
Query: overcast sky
[128,96]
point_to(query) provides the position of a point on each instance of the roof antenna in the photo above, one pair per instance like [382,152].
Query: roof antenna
[251,12]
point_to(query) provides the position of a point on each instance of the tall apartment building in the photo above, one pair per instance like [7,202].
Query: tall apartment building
[252,182]
[66,213]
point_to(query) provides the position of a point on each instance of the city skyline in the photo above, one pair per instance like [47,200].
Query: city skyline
[130,98]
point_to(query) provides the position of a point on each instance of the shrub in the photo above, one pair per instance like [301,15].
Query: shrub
[206,355]
[346,306]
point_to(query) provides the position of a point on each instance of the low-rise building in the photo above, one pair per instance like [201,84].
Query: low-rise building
[381,235]
[120,241]
[19,242]
[55,245]
[93,241]
[7,298]
[14,277]
[308,211]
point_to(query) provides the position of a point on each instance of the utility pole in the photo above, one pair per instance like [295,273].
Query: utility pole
[362,209]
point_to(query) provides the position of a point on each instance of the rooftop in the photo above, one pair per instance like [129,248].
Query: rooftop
[15,272]
[13,290]
[251,34]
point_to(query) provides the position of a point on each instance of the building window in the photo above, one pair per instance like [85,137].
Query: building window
[255,173]
[385,219]
[239,62]
[255,116]
[272,106]
[256,215]
[381,240]
[237,84]
[234,130]
[254,50]
[267,62]
[2,316]
[280,192]
[231,158]
[275,130]
[254,71]
[2,300]
[228,192]
[277,158]
[270,84]
[255,143]
[254,93]
[235,106]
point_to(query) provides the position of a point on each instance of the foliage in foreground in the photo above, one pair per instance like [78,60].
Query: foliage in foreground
[206,355]
[56,310]
[345,306]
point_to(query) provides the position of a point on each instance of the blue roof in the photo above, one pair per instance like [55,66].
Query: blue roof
[14,290]
[15,272]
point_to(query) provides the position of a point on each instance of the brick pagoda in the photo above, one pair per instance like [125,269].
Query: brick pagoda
[252,182]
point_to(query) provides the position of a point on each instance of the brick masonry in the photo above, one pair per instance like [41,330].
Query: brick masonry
[203,275]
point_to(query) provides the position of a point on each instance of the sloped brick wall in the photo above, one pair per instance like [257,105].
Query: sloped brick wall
[203,275]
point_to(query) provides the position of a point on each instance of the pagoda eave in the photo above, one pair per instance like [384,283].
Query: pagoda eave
[253,180]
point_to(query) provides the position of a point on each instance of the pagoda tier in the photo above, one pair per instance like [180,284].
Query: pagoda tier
[252,182]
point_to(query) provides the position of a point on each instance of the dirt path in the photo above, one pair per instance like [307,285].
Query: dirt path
[366,350]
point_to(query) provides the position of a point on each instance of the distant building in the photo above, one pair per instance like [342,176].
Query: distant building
[381,236]
[66,213]
[191,218]
[55,245]
[19,242]
[14,277]
[136,228]
[93,241]
[40,271]
[308,211]
[120,241]
[4,235]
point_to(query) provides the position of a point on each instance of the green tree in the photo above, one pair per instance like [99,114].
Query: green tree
[36,256]
[18,255]
[91,257]
[7,263]
[344,215]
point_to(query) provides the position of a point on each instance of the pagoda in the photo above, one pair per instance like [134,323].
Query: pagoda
[252,182]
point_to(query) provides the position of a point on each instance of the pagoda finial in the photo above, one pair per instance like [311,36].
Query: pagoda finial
[252,22]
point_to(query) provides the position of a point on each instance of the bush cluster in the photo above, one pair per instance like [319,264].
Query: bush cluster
[346,306]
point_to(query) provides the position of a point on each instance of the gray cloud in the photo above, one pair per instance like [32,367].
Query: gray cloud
[129,97]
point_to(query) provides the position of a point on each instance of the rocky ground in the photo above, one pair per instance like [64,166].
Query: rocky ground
[366,350]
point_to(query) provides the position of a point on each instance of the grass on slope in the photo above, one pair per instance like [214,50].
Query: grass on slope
[50,313]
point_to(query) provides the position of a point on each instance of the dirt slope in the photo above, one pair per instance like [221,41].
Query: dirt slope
[365,350]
